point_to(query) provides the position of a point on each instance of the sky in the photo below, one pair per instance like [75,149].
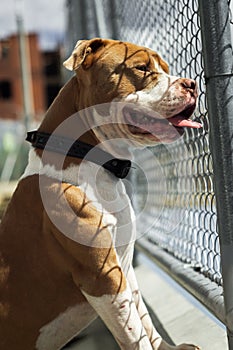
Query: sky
[46,17]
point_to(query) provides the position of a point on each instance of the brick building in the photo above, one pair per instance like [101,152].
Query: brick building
[43,81]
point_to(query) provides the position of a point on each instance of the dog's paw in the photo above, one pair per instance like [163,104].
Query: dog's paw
[165,346]
[186,347]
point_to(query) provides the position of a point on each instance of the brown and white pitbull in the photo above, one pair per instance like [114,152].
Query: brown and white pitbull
[67,237]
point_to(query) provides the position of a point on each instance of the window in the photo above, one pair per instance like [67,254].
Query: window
[5,90]
[4,49]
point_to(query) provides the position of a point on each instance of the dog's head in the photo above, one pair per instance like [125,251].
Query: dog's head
[143,100]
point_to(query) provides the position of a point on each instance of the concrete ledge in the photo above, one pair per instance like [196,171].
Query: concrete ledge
[183,318]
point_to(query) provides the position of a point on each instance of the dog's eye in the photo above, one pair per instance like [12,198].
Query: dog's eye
[143,68]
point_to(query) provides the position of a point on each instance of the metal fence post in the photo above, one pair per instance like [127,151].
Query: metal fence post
[218,61]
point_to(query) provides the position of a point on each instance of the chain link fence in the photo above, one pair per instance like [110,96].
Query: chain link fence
[186,211]
[180,213]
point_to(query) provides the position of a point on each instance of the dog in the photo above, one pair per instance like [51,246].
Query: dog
[67,236]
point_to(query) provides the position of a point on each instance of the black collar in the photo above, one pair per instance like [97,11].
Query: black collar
[119,167]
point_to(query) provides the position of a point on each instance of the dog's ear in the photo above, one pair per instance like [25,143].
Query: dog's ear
[83,53]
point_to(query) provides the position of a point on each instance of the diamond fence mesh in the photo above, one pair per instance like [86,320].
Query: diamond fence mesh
[184,207]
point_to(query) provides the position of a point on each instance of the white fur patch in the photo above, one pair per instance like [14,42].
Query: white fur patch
[35,166]
[121,316]
[65,327]
[151,98]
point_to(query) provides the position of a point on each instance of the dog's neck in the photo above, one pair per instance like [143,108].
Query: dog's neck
[65,105]
[66,117]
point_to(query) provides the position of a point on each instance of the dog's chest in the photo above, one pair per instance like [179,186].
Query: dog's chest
[105,192]
[108,194]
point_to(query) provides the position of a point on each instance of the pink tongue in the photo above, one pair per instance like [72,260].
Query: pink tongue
[181,122]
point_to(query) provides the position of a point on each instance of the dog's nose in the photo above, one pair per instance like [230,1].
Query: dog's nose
[188,84]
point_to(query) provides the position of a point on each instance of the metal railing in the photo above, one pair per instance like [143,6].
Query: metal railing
[216,27]
[182,187]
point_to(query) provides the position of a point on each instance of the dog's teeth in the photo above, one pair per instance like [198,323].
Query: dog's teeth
[145,119]
[141,119]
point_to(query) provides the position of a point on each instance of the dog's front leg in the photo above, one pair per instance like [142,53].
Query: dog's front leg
[120,314]
[156,341]
[152,333]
